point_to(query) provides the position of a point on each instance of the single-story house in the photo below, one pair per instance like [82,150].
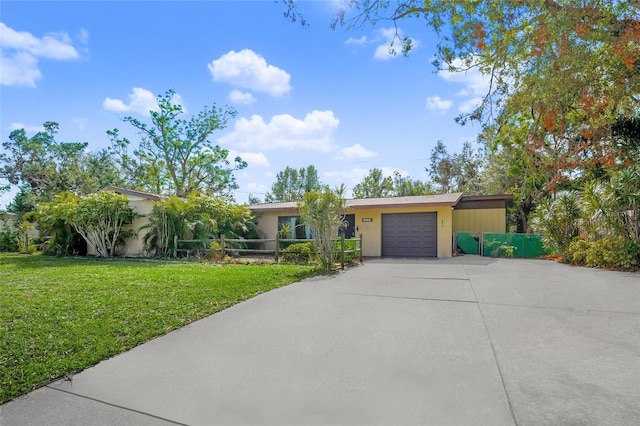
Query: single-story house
[416,226]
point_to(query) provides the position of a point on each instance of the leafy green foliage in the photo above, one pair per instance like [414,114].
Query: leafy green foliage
[198,217]
[44,167]
[605,215]
[292,184]
[8,240]
[175,156]
[376,185]
[350,247]
[558,220]
[301,252]
[99,218]
[455,172]
[609,252]
[323,212]
[61,316]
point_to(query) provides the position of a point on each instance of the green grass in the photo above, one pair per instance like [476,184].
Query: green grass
[60,316]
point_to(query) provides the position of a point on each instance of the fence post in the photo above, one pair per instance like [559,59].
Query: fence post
[277,247]
[222,246]
[175,246]
[360,248]
[481,242]
[342,251]
[455,244]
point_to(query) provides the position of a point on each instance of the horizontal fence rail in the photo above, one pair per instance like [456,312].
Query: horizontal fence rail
[239,245]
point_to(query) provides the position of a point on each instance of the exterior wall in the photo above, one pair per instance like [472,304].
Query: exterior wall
[480,220]
[268,225]
[371,231]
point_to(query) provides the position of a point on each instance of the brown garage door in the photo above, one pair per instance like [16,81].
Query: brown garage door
[410,234]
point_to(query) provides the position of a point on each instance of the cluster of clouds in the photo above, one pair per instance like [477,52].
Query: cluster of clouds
[140,101]
[475,87]
[249,76]
[246,70]
[20,53]
[387,41]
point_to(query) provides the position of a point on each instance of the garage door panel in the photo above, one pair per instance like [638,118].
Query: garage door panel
[410,234]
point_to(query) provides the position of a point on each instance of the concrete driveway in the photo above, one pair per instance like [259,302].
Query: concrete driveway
[397,342]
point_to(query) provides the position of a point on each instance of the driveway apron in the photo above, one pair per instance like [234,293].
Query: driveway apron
[463,341]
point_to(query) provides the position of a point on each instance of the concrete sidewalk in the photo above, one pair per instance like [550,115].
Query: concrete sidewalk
[460,341]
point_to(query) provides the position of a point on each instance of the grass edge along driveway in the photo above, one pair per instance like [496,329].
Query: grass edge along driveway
[61,316]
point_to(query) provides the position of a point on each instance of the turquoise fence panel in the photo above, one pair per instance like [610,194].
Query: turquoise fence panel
[467,243]
[513,245]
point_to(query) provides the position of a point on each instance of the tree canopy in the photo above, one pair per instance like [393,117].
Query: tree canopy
[291,184]
[175,156]
[377,185]
[44,167]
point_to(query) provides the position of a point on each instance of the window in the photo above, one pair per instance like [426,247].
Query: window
[295,228]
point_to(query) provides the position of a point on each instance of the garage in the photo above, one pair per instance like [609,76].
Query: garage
[410,234]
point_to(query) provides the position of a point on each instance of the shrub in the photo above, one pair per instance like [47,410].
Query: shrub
[8,240]
[609,252]
[350,246]
[300,252]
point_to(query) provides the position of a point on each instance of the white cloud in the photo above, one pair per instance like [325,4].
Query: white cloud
[391,39]
[356,41]
[26,127]
[248,70]
[435,103]
[240,97]
[313,133]
[20,52]
[141,101]
[252,158]
[356,151]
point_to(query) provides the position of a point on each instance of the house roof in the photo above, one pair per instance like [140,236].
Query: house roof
[133,192]
[387,202]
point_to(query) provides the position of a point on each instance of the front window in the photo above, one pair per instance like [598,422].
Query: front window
[291,227]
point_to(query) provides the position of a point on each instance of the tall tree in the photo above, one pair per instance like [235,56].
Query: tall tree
[44,167]
[458,172]
[291,184]
[442,168]
[175,155]
[374,185]
[543,51]
[405,186]
[377,185]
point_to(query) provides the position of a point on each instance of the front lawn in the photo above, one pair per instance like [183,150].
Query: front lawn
[60,316]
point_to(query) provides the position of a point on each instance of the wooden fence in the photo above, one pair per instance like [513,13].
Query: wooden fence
[239,246]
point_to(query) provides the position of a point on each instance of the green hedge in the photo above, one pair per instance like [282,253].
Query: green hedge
[609,252]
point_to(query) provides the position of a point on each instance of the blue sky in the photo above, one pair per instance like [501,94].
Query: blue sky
[332,98]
